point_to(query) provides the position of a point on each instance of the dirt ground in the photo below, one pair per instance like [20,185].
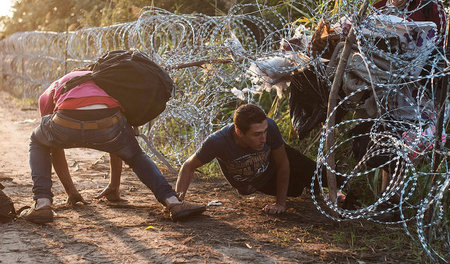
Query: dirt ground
[138,230]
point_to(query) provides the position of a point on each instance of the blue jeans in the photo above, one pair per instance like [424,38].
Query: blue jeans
[118,139]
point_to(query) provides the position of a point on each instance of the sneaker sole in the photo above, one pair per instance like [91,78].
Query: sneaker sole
[34,219]
[40,221]
[187,213]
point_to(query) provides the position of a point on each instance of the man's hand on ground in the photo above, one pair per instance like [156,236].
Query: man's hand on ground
[112,194]
[75,198]
[274,208]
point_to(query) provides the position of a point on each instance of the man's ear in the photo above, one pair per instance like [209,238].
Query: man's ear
[238,132]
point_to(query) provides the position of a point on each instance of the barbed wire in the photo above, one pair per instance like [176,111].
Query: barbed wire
[391,86]
[402,81]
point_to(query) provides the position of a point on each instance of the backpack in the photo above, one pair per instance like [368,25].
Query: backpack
[7,211]
[132,78]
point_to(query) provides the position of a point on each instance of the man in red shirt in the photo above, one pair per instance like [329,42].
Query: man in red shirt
[86,116]
[111,192]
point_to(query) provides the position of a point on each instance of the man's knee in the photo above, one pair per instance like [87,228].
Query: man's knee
[135,158]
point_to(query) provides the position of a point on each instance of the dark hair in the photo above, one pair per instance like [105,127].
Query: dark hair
[246,115]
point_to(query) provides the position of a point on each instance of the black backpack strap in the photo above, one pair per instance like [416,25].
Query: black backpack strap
[77,80]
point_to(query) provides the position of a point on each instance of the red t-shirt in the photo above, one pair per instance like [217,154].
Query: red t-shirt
[75,103]
[85,94]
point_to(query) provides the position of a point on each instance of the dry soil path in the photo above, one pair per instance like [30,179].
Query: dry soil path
[139,231]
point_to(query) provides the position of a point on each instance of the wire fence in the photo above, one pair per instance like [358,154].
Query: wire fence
[32,60]
[392,85]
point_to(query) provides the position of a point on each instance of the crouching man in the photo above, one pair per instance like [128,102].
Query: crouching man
[254,158]
[86,116]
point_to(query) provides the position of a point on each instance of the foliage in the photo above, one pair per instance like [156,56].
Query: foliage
[60,16]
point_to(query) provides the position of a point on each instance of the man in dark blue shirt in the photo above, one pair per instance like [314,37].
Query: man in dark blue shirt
[253,157]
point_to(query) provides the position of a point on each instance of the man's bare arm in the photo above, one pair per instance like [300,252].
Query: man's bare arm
[62,171]
[280,158]
[186,174]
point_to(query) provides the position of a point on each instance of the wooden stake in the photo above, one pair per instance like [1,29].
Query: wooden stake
[333,100]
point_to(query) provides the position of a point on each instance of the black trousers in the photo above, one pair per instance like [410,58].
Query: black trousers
[301,172]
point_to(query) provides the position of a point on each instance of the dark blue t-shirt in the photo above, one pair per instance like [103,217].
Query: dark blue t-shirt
[246,169]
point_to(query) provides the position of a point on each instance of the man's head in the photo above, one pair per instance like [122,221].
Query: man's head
[250,123]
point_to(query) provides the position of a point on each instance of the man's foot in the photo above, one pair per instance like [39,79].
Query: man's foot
[184,209]
[112,195]
[39,216]
[73,199]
